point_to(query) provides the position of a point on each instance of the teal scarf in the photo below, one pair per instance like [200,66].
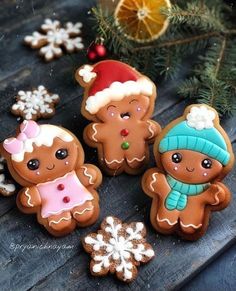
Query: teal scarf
[178,196]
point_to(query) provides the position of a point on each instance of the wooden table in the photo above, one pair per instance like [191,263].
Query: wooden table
[40,266]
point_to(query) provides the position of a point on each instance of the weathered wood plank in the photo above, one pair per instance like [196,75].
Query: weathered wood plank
[176,260]
[218,274]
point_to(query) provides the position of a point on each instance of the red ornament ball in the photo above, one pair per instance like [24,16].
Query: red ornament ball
[96,52]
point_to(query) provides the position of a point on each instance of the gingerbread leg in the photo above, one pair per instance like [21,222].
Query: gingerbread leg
[60,222]
[113,161]
[192,217]
[136,155]
[166,219]
[83,212]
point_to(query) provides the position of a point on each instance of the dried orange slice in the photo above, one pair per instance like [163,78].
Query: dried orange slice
[142,20]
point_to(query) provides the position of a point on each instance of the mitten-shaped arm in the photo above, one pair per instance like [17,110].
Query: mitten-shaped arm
[94,132]
[215,194]
[89,175]
[152,129]
[30,197]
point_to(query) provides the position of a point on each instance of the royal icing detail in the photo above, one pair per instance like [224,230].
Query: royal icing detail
[166,220]
[95,131]
[60,220]
[150,129]
[53,38]
[88,175]
[122,246]
[29,197]
[83,211]
[116,92]
[87,73]
[32,133]
[35,104]
[201,118]
[154,179]
[53,198]
[136,160]
[114,161]
[191,225]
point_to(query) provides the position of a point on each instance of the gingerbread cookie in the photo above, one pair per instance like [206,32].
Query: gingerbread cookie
[48,161]
[35,104]
[119,101]
[53,38]
[193,154]
[118,248]
[7,186]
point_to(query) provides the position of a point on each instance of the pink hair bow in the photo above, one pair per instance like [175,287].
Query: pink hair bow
[28,129]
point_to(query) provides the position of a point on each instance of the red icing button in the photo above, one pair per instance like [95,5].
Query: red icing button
[60,187]
[124,132]
[66,199]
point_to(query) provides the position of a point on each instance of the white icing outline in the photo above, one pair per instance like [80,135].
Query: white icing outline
[150,129]
[29,198]
[114,161]
[117,91]
[35,103]
[69,208]
[54,37]
[166,220]
[136,159]
[123,251]
[154,179]
[86,209]
[58,221]
[216,199]
[95,131]
[88,175]
[191,225]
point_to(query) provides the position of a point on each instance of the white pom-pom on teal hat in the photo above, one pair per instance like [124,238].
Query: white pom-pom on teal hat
[197,133]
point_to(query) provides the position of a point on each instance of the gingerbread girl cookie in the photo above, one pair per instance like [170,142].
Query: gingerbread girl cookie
[48,161]
[193,154]
[119,101]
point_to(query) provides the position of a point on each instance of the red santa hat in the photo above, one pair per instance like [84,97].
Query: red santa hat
[112,81]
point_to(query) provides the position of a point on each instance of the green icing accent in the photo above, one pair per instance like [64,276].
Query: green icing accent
[178,196]
[125,145]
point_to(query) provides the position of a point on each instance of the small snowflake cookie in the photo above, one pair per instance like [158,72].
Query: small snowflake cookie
[7,187]
[55,38]
[35,104]
[118,248]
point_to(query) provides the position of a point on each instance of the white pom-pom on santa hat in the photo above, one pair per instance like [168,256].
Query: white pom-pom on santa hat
[113,81]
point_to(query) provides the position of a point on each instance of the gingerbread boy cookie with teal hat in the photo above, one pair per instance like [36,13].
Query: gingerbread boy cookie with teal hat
[193,154]
[119,101]
[48,162]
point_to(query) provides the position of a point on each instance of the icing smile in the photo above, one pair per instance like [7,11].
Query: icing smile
[125,115]
[190,169]
[48,168]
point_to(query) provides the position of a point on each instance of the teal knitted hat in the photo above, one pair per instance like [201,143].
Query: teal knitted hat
[197,133]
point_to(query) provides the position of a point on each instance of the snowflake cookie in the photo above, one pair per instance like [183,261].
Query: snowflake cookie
[118,248]
[35,104]
[54,39]
[7,187]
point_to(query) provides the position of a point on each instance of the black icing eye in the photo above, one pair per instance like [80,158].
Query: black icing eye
[61,154]
[207,164]
[33,164]
[176,158]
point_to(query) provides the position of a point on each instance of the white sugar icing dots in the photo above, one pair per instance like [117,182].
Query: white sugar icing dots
[201,117]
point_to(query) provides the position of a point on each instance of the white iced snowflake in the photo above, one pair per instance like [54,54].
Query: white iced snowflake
[35,104]
[7,187]
[86,73]
[118,248]
[53,38]
[201,117]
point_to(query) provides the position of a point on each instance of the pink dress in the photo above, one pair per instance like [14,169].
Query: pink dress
[62,194]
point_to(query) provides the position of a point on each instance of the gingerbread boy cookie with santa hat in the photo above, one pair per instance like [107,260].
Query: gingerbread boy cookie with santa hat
[193,154]
[48,161]
[119,101]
